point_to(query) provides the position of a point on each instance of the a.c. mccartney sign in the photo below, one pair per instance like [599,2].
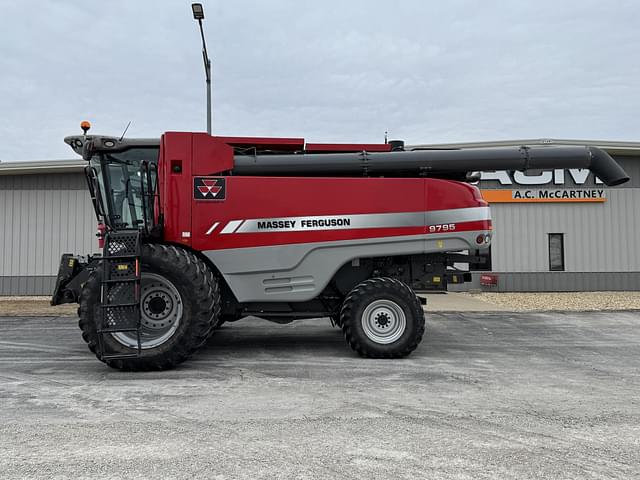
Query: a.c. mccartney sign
[547,186]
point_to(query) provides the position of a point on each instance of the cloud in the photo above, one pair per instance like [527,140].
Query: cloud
[327,71]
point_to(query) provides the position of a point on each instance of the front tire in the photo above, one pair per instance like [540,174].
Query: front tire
[180,304]
[382,318]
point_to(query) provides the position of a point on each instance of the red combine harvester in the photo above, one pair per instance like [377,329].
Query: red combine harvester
[199,230]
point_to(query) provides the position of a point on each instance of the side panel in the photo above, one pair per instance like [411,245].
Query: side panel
[282,239]
[299,272]
[275,199]
[174,184]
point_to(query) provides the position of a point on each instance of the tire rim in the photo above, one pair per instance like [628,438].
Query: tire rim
[384,321]
[161,311]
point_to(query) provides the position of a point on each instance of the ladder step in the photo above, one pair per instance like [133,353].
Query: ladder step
[120,285]
[121,280]
[110,305]
[117,330]
[117,257]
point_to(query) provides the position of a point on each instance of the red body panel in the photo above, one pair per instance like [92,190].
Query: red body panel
[275,197]
[447,194]
[199,223]
[347,147]
[175,199]
[280,144]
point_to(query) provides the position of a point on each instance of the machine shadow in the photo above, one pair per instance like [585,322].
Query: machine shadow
[257,336]
[316,337]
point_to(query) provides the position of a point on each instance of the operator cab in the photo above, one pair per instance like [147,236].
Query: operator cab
[122,179]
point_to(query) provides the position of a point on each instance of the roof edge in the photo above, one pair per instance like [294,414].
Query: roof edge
[51,166]
[611,146]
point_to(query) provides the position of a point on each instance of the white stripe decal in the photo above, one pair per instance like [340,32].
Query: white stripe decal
[455,215]
[356,221]
[232,226]
[213,227]
[333,222]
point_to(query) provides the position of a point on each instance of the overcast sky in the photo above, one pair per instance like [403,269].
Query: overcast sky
[427,72]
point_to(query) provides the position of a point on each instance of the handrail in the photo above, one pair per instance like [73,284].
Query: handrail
[91,175]
[149,195]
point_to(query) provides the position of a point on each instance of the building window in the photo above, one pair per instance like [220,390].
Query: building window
[556,252]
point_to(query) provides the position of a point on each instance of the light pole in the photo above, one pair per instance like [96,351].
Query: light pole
[198,14]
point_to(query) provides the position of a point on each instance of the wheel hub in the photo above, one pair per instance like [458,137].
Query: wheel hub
[161,312]
[384,321]
[157,305]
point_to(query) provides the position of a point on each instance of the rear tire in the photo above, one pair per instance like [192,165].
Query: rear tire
[382,318]
[196,292]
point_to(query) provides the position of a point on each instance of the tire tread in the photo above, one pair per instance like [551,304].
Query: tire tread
[206,299]
[359,294]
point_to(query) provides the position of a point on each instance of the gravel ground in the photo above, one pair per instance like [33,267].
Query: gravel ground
[569,301]
[34,307]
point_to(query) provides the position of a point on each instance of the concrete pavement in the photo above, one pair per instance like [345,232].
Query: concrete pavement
[458,302]
[486,395]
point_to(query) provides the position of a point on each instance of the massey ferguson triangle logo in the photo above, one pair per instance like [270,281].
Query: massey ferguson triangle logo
[209,188]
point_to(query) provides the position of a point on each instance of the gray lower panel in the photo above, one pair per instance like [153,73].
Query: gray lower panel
[27,285]
[299,272]
[556,282]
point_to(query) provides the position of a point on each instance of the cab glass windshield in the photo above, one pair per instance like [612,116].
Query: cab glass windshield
[124,186]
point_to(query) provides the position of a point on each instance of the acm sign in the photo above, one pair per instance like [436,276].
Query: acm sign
[573,182]
[559,176]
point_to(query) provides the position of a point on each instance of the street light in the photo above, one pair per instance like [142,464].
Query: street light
[198,14]
[198,11]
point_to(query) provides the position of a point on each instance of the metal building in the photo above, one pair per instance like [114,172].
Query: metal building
[45,210]
[562,230]
[557,230]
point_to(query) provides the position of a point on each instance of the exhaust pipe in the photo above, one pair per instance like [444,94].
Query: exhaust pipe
[453,164]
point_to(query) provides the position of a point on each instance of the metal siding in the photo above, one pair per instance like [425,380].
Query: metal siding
[5,232]
[51,181]
[556,281]
[41,217]
[566,281]
[32,285]
[599,237]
